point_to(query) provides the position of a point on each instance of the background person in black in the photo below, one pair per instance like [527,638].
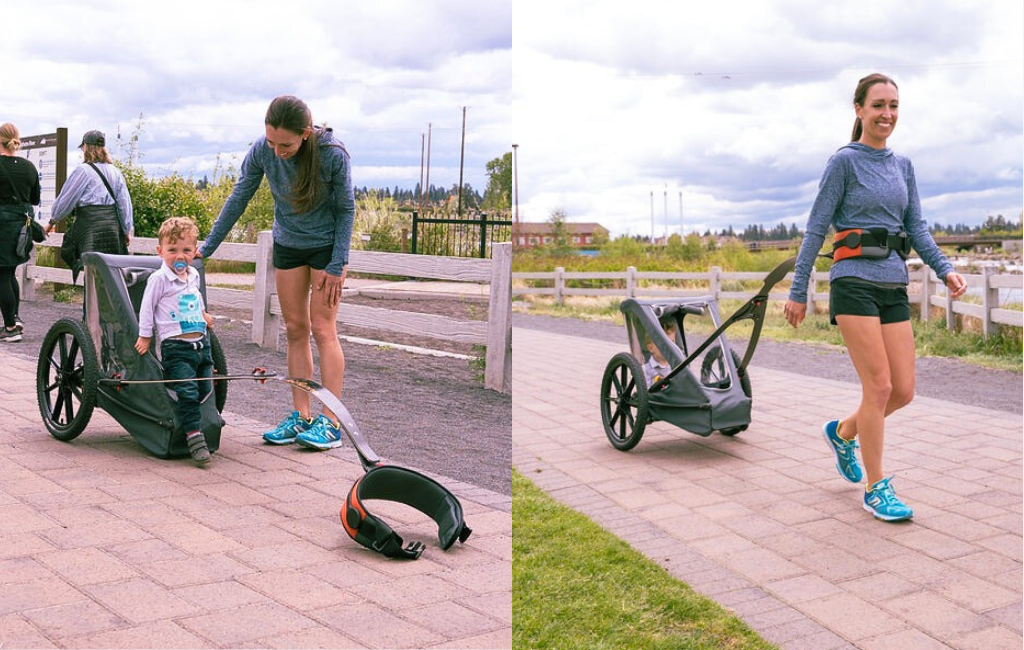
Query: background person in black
[19,191]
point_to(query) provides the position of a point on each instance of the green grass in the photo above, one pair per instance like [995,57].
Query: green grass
[577,586]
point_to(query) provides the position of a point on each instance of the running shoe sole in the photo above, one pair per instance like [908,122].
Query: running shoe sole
[283,441]
[882,517]
[323,446]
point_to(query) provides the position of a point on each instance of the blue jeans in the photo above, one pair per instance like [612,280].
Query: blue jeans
[187,359]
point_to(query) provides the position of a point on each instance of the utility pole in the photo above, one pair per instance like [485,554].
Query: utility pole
[423,140]
[652,217]
[427,186]
[680,213]
[515,184]
[462,158]
[666,214]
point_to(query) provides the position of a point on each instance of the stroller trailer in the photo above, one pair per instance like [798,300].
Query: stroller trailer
[81,364]
[658,378]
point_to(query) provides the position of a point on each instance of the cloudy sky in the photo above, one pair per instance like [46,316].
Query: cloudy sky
[732,105]
[738,105]
[201,74]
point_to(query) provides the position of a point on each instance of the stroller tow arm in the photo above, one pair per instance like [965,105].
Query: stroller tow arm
[754,309]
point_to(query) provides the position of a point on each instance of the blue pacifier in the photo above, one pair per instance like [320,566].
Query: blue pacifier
[180,266]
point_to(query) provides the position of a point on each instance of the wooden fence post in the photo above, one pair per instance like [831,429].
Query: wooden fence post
[716,281]
[950,315]
[989,301]
[265,326]
[559,284]
[926,292]
[812,291]
[631,282]
[27,289]
[498,371]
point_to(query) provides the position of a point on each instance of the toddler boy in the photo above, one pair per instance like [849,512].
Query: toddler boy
[173,304]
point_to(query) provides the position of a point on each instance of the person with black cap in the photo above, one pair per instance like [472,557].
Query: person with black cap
[98,195]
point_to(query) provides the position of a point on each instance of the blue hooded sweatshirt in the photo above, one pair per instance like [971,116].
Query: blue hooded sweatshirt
[863,187]
[328,224]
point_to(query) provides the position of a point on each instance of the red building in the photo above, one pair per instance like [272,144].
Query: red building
[532,235]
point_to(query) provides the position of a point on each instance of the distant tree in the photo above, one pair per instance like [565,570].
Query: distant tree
[561,241]
[498,195]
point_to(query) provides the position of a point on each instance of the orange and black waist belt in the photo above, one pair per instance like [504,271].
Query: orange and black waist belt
[873,243]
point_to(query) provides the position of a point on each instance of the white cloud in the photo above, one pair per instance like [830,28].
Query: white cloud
[738,105]
[201,74]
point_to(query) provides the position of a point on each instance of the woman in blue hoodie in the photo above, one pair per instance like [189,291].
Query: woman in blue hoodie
[314,210]
[868,190]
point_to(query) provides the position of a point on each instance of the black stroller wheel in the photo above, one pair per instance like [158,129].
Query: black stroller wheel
[220,367]
[66,379]
[715,374]
[624,409]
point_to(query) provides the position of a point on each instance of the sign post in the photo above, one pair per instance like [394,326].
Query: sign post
[49,153]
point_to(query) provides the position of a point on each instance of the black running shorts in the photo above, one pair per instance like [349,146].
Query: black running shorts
[856,297]
[292,258]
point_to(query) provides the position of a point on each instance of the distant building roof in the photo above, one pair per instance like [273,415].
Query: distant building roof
[545,228]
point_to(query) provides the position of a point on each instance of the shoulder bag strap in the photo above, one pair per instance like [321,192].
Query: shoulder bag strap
[105,182]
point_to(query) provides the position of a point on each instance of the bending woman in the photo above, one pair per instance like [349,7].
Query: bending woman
[864,186]
[314,210]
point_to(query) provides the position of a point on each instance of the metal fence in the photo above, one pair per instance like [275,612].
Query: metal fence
[470,236]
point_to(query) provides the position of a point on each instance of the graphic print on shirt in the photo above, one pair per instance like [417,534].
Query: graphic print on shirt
[189,315]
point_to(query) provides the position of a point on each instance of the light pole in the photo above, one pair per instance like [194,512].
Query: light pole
[515,187]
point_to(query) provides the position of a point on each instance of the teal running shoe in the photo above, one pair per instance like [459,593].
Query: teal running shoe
[286,432]
[322,435]
[881,501]
[845,452]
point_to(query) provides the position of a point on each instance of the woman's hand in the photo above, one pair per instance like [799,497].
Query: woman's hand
[331,286]
[50,226]
[794,312]
[957,284]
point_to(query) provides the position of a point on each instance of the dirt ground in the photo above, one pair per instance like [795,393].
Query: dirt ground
[422,411]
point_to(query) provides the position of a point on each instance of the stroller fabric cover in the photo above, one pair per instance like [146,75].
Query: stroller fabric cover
[113,293]
[685,402]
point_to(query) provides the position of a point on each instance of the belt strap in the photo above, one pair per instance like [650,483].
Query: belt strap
[869,242]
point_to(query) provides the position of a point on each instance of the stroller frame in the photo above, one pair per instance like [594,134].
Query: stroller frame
[718,400]
[77,356]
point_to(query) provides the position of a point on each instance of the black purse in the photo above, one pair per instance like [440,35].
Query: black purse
[31,233]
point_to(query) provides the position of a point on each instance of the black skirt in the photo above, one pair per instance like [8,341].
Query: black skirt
[12,220]
[97,228]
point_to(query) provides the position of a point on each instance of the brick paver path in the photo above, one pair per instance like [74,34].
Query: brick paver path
[103,545]
[763,524]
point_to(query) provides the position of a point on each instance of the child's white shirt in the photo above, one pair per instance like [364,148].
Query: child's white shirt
[174,306]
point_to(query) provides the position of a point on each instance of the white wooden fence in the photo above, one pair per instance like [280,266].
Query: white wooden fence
[495,333]
[930,291]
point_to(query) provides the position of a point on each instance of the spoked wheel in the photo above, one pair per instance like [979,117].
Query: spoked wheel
[220,367]
[624,409]
[66,379]
[715,373]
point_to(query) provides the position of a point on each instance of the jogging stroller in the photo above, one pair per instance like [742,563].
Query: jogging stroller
[655,380]
[82,363]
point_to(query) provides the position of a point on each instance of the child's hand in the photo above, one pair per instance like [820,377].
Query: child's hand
[142,344]
[209,320]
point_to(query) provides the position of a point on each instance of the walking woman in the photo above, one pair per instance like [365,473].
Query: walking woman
[869,195]
[314,210]
[19,191]
[97,193]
